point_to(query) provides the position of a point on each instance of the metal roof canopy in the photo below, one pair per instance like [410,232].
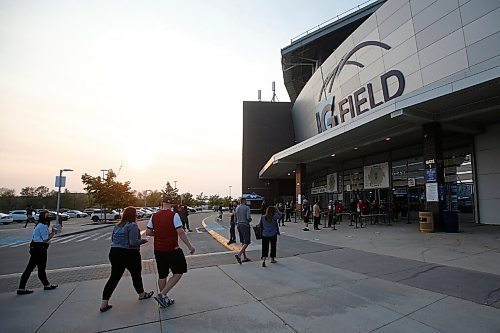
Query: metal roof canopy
[464,104]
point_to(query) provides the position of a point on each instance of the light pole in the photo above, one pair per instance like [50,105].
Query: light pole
[102,206]
[145,195]
[230,192]
[175,184]
[60,182]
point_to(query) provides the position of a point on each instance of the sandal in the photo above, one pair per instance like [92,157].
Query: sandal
[246,260]
[147,295]
[106,308]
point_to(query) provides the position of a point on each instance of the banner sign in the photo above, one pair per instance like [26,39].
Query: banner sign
[431,192]
[431,175]
[331,183]
[318,189]
[376,176]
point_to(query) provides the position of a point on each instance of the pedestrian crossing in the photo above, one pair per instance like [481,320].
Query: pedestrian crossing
[104,235]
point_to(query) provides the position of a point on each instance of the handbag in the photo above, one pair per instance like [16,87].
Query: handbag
[258,231]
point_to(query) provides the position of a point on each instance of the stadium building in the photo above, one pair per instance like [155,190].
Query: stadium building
[397,103]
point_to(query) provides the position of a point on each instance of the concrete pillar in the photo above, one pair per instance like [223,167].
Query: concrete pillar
[300,179]
[434,173]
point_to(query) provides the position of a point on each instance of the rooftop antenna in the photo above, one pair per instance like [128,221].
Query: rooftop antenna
[275,98]
[259,93]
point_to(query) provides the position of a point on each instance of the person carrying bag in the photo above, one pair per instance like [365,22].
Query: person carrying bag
[269,225]
[38,255]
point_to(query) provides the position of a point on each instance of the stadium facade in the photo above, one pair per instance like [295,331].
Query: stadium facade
[397,102]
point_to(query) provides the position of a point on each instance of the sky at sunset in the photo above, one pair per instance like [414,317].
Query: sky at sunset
[150,89]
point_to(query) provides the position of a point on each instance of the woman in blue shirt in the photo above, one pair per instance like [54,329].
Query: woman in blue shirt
[270,231]
[124,254]
[38,250]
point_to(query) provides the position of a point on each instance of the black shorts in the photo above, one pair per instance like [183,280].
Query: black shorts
[244,232]
[170,261]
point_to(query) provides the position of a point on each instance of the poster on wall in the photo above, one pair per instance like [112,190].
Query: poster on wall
[431,192]
[376,176]
[331,183]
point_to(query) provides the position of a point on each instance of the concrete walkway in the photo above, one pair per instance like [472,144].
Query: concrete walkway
[378,279]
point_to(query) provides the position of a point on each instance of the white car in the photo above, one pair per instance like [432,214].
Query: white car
[6,218]
[104,214]
[21,216]
[75,213]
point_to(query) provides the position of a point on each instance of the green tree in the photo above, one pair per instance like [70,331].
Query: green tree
[171,192]
[28,191]
[201,199]
[108,192]
[187,199]
[42,191]
[7,192]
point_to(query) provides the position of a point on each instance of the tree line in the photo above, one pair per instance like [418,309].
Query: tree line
[102,192]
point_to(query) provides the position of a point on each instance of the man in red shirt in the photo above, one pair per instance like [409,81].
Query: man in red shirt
[166,227]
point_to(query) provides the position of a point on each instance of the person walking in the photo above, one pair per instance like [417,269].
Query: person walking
[281,210]
[243,219]
[232,223]
[166,228]
[125,254]
[269,224]
[40,238]
[29,215]
[287,212]
[316,215]
[184,213]
[306,212]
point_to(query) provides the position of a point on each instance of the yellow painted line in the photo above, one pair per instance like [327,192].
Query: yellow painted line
[221,239]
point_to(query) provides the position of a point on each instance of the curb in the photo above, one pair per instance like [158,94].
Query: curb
[221,239]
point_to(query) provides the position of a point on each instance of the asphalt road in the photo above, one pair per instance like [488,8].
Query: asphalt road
[88,248]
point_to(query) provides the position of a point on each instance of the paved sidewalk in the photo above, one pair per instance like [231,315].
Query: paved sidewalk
[352,280]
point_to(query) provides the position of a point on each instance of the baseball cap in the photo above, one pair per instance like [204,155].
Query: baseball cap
[167,200]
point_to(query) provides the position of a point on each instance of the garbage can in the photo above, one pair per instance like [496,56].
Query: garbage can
[450,221]
[426,221]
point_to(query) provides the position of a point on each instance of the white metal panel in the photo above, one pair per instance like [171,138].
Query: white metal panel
[401,16]
[482,27]
[485,49]
[439,29]
[433,13]
[475,9]
[417,6]
[447,66]
[442,48]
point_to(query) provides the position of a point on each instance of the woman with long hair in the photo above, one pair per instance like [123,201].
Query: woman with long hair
[124,254]
[38,250]
[270,231]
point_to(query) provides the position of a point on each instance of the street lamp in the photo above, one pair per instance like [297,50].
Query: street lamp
[230,192]
[103,208]
[175,184]
[103,171]
[60,181]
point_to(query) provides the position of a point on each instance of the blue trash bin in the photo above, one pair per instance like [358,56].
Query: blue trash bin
[450,221]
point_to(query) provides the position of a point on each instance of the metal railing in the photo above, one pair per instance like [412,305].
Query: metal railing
[339,16]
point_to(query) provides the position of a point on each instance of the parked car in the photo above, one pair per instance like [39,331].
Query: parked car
[75,213]
[104,214]
[89,211]
[191,209]
[6,218]
[21,216]
[144,212]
